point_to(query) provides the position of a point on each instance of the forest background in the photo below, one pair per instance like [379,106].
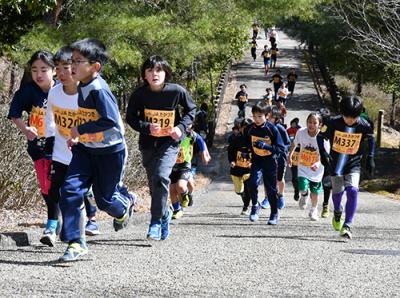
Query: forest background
[358,40]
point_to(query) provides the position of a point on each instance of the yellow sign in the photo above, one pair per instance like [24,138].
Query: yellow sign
[165,119]
[295,158]
[85,116]
[260,152]
[65,119]
[346,143]
[308,157]
[242,160]
[36,119]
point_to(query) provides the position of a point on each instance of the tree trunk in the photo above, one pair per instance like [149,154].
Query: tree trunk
[393,110]
[51,18]
[359,83]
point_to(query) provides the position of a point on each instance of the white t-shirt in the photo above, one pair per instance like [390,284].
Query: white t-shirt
[60,118]
[308,155]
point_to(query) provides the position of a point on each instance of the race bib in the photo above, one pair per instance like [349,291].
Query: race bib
[308,157]
[85,116]
[346,143]
[65,119]
[182,155]
[243,160]
[266,55]
[260,152]
[282,93]
[274,52]
[295,158]
[243,98]
[165,119]
[36,119]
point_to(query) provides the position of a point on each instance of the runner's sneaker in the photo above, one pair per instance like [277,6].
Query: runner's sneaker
[154,232]
[273,219]
[313,214]
[74,251]
[245,211]
[337,221]
[303,201]
[325,211]
[185,200]
[120,223]
[281,202]
[91,228]
[345,232]
[255,210]
[265,203]
[49,237]
[165,225]
[176,214]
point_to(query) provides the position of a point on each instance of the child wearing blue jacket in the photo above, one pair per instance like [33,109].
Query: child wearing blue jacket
[98,150]
[266,144]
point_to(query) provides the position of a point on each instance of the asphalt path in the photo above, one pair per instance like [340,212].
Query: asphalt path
[215,252]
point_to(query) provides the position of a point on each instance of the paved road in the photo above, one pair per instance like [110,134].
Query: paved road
[214,252]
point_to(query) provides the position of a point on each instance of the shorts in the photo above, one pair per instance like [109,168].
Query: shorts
[266,61]
[238,182]
[339,183]
[305,184]
[281,169]
[180,174]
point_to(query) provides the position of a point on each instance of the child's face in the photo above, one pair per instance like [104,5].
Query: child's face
[259,118]
[82,70]
[350,120]
[293,124]
[155,77]
[243,88]
[42,74]
[64,73]
[235,132]
[313,124]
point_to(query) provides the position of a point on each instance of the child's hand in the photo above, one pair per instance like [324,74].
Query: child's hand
[74,133]
[315,166]
[30,133]
[175,133]
[233,164]
[290,162]
[72,142]
[154,128]
[205,156]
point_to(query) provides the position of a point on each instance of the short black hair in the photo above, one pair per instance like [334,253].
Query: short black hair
[315,115]
[261,107]
[351,106]
[276,114]
[243,85]
[295,120]
[92,49]
[156,61]
[63,54]
[43,55]
[246,122]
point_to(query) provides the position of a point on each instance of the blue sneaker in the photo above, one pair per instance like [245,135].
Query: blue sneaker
[91,228]
[281,202]
[255,210]
[265,203]
[120,223]
[165,225]
[154,232]
[273,219]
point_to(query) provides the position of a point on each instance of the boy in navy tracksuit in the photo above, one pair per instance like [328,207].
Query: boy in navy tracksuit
[266,143]
[98,150]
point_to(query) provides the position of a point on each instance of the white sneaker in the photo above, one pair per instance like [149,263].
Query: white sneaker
[313,214]
[49,237]
[245,211]
[303,201]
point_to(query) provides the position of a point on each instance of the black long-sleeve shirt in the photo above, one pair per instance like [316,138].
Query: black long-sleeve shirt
[146,107]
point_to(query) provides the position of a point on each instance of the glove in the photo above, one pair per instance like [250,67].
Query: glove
[262,145]
[370,166]
[48,146]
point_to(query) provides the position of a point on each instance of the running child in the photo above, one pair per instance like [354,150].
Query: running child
[292,130]
[181,172]
[291,78]
[268,96]
[347,133]
[274,55]
[98,147]
[242,98]
[255,30]
[277,82]
[273,36]
[32,99]
[266,143]
[154,110]
[239,157]
[253,49]
[310,168]
[266,54]
[282,95]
